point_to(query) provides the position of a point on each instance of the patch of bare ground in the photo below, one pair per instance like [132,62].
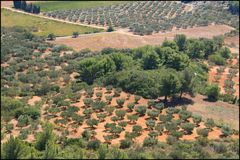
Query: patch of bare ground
[122,38]
[233,43]
[33,100]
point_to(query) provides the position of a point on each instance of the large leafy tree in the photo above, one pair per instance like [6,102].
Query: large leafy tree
[177,61]
[170,83]
[150,60]
[92,68]
[180,39]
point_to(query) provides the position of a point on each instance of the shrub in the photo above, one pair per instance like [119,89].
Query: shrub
[209,123]
[109,99]
[188,127]
[137,98]
[9,127]
[171,126]
[87,101]
[202,132]
[217,59]
[86,134]
[109,109]
[153,134]
[120,102]
[122,124]
[137,129]
[133,117]
[184,115]
[226,131]
[117,92]
[219,147]
[98,106]
[197,119]
[165,118]
[109,89]
[213,92]
[22,121]
[110,29]
[149,141]
[92,122]
[120,113]
[159,106]
[171,140]
[141,110]
[177,134]
[159,128]
[150,123]
[153,113]
[151,103]
[125,143]
[99,95]
[130,106]
[93,144]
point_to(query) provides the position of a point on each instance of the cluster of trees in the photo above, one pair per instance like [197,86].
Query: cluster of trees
[167,70]
[234,7]
[47,146]
[22,5]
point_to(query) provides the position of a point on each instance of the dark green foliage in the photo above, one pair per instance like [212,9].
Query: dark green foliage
[110,29]
[131,106]
[137,98]
[137,129]
[180,39]
[93,144]
[86,134]
[125,143]
[133,117]
[150,123]
[226,131]
[44,137]
[188,127]
[12,149]
[209,123]
[171,140]
[92,122]
[141,110]
[213,92]
[98,105]
[120,113]
[120,102]
[153,113]
[149,141]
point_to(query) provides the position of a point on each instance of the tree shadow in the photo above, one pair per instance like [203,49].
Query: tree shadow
[176,102]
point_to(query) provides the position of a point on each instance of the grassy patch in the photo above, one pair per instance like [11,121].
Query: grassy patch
[41,26]
[62,5]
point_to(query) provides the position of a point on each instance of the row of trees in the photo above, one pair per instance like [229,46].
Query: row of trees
[22,5]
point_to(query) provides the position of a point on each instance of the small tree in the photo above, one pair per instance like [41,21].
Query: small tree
[177,134]
[109,89]
[92,122]
[120,102]
[171,140]
[75,34]
[51,37]
[149,141]
[159,128]
[125,143]
[132,118]
[159,106]
[120,113]
[226,131]
[197,119]
[141,110]
[107,126]
[171,126]
[137,129]
[98,106]
[101,116]
[188,127]
[9,127]
[151,103]
[209,123]
[110,29]
[165,118]
[109,110]
[115,131]
[87,101]
[202,132]
[117,92]
[99,95]
[153,134]
[153,114]
[86,134]
[213,92]
[93,144]
[115,118]
[87,113]
[109,99]
[122,124]
[150,124]
[108,139]
[131,106]
[184,115]
[137,98]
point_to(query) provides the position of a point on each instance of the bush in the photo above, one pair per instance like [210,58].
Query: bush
[197,119]
[203,132]
[110,29]
[141,110]
[86,134]
[137,98]
[93,144]
[219,147]
[125,143]
[226,131]
[120,113]
[120,102]
[137,129]
[9,127]
[149,141]
[159,106]
[188,127]
[131,106]
[171,140]
[217,59]
[177,134]
[209,123]
[213,92]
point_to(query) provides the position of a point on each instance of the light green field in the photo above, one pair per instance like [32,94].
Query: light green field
[62,5]
[41,26]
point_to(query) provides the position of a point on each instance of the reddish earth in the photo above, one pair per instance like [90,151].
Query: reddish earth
[200,107]
[124,39]
[33,100]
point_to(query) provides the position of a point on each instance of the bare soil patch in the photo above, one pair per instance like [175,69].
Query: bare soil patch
[33,100]
[124,39]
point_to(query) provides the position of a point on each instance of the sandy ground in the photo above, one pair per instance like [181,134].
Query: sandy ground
[124,39]
[33,100]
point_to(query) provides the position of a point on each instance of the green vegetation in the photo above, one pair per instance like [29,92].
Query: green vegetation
[42,26]
[62,5]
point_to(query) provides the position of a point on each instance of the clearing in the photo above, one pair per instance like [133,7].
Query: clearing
[124,39]
[41,26]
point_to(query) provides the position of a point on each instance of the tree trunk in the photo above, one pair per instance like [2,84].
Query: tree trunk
[181,92]
[165,98]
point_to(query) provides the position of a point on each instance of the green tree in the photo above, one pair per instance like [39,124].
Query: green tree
[197,119]
[188,127]
[120,102]
[137,129]
[12,149]
[44,137]
[132,118]
[137,98]
[149,141]
[150,60]
[209,123]
[92,122]
[213,92]
[225,52]
[125,143]
[226,130]
[75,34]
[180,39]
[141,110]
[170,83]
[120,113]
[172,44]
[153,114]
[177,61]
[51,37]
[110,29]
[102,151]
[109,109]
[130,106]
[150,124]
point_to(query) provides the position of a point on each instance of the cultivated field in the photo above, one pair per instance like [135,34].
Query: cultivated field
[124,39]
[40,26]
